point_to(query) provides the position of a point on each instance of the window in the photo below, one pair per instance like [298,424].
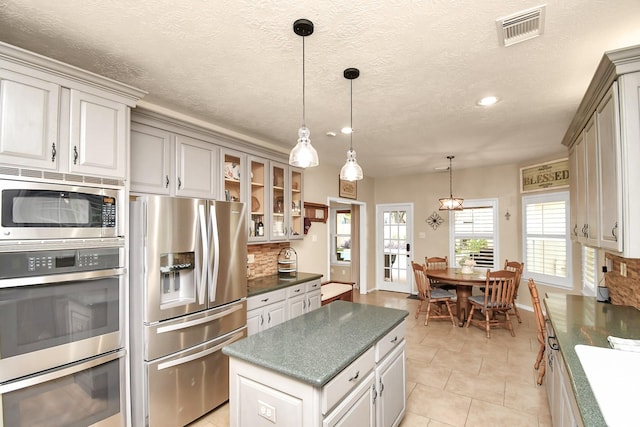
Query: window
[547,246]
[475,233]
[589,272]
[341,236]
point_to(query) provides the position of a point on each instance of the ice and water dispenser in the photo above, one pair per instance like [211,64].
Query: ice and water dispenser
[177,278]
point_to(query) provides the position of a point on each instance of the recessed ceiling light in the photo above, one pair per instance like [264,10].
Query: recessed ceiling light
[346,130]
[332,134]
[488,100]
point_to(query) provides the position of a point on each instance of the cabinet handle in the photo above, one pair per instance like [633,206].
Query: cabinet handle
[355,377]
[179,183]
[304,304]
[75,155]
[614,231]
[265,300]
[166,183]
[585,230]
[375,394]
[575,230]
[381,387]
[261,320]
[394,340]
[269,316]
[554,345]
[53,152]
[297,290]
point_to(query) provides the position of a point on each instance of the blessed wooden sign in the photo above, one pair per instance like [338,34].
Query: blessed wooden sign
[544,176]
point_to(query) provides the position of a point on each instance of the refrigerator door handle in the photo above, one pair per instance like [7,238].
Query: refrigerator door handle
[196,322]
[213,275]
[201,281]
[200,354]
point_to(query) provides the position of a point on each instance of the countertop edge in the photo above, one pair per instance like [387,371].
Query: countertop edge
[276,281]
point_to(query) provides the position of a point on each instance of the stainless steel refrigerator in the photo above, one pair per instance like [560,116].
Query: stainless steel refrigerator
[188,288]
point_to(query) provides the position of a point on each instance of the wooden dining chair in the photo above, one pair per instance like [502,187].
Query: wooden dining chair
[498,298]
[438,263]
[540,324]
[434,299]
[518,267]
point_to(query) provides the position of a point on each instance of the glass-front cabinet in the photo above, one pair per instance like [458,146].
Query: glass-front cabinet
[296,220]
[279,201]
[258,203]
[234,176]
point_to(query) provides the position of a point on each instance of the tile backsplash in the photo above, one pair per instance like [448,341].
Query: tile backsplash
[623,280]
[265,259]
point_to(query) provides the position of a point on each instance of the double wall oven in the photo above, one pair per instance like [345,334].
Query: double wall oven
[62,305]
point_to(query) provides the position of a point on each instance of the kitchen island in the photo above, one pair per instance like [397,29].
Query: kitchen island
[341,362]
[581,320]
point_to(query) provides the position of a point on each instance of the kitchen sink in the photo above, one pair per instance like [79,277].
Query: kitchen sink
[614,377]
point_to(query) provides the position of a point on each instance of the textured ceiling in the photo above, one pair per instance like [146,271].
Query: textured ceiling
[423,65]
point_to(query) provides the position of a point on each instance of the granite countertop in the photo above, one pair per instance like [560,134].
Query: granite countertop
[315,347]
[274,282]
[582,320]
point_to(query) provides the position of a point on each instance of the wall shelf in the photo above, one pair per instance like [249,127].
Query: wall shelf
[316,212]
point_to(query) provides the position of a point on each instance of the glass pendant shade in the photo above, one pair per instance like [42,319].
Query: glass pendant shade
[351,171]
[303,155]
[451,203]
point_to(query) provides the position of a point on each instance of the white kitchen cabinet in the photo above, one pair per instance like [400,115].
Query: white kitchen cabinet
[233,177]
[151,160]
[590,233]
[28,121]
[62,119]
[287,206]
[357,409]
[265,311]
[303,298]
[612,101]
[390,385]
[610,189]
[196,168]
[296,205]
[99,128]
[259,199]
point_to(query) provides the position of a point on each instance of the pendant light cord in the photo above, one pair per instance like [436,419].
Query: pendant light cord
[450,179]
[304,116]
[351,133]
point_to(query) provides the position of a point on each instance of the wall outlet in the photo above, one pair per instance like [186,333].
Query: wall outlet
[422,235]
[623,269]
[251,258]
[267,411]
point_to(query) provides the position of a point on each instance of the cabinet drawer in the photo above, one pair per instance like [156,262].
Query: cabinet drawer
[266,299]
[390,341]
[293,291]
[313,285]
[351,376]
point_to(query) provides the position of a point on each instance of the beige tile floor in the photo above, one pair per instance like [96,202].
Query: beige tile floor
[458,377]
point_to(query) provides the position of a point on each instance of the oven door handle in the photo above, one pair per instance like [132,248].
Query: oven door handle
[201,354]
[196,322]
[59,373]
[60,278]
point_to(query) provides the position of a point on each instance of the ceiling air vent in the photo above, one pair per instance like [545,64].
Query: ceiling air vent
[521,26]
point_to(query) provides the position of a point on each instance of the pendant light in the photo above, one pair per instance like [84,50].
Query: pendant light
[351,171]
[303,154]
[451,203]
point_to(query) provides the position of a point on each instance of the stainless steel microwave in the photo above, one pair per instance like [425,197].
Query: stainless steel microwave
[38,210]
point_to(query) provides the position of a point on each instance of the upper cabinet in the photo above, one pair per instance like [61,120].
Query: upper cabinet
[286,221]
[604,141]
[259,199]
[58,118]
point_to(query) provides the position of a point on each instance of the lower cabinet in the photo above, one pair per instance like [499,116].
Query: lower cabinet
[370,392]
[562,402]
[272,308]
[265,311]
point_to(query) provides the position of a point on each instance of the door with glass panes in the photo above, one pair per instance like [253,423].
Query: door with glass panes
[394,244]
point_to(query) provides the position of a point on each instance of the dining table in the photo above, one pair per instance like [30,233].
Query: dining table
[464,283]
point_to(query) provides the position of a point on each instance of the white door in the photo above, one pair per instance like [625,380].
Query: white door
[394,243]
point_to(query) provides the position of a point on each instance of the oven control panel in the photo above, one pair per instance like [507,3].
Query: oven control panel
[39,263]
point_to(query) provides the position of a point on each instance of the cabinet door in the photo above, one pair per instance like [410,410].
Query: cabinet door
[255,320]
[357,410]
[314,299]
[274,314]
[296,206]
[581,188]
[151,163]
[98,135]
[297,305]
[196,168]
[233,176]
[279,201]
[390,383]
[607,116]
[259,199]
[574,224]
[29,109]
[593,204]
